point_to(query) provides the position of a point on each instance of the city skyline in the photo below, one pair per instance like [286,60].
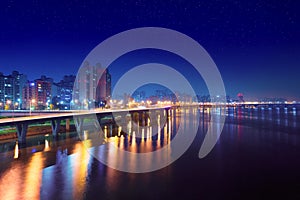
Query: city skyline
[254,44]
[62,91]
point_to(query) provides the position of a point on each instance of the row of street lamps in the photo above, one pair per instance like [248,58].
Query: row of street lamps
[16,104]
[8,104]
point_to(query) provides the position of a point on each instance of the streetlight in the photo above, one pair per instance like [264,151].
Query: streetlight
[16,105]
[31,102]
[19,103]
[85,103]
[8,102]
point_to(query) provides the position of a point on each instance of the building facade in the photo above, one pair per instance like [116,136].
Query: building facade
[37,94]
[11,90]
[92,87]
[62,92]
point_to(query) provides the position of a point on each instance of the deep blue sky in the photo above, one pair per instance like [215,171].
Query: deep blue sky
[255,44]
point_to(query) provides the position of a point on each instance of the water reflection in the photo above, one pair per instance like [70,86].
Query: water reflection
[16,152]
[33,176]
[47,146]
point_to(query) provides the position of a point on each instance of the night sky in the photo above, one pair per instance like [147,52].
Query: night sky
[255,44]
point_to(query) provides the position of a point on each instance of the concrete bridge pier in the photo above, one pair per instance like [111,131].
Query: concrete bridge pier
[67,125]
[21,132]
[162,117]
[96,124]
[153,118]
[55,125]
[174,125]
[168,112]
[142,118]
[147,117]
[123,119]
[135,117]
[79,123]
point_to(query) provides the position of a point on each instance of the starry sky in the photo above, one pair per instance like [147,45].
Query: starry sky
[255,44]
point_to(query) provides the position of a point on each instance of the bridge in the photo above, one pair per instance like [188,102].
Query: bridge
[21,123]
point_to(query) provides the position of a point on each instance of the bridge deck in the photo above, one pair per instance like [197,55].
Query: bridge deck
[64,115]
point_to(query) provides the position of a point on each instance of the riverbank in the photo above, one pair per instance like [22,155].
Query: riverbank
[35,130]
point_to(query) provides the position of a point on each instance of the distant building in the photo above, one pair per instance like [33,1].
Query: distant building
[139,95]
[63,91]
[108,86]
[28,95]
[85,85]
[43,93]
[37,93]
[273,100]
[6,88]
[92,86]
[19,82]
[101,86]
[54,90]
[11,89]
[240,97]
[46,79]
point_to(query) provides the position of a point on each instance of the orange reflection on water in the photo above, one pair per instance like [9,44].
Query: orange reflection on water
[10,182]
[47,146]
[16,152]
[80,167]
[119,130]
[22,183]
[33,177]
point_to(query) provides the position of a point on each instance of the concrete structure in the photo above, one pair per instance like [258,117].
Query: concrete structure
[21,123]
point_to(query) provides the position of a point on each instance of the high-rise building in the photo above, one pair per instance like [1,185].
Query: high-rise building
[6,88]
[43,93]
[28,95]
[11,89]
[19,82]
[64,92]
[108,86]
[86,84]
[92,87]
[37,93]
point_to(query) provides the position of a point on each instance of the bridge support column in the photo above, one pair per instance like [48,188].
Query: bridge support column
[21,132]
[55,124]
[79,123]
[135,117]
[123,119]
[96,124]
[153,117]
[67,125]
[167,113]
[142,118]
[162,117]
[147,118]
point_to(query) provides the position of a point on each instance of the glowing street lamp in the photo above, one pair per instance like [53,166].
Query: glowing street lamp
[16,105]
[8,102]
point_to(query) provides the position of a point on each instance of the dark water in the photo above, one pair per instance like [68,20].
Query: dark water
[256,157]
